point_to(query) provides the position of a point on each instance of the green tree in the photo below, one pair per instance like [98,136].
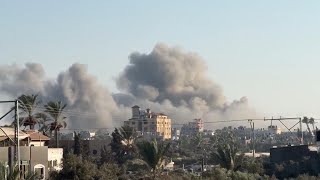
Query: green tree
[55,111]
[77,144]
[43,123]
[226,156]
[306,120]
[197,140]
[105,155]
[75,167]
[153,154]
[122,144]
[28,104]
[108,171]
[252,165]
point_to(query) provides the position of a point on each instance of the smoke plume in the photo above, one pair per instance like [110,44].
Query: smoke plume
[167,80]
[176,82]
[89,104]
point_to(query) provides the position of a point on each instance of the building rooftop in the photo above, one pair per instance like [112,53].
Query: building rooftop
[9,131]
[37,136]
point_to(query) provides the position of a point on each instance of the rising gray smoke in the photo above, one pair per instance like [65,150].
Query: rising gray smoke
[167,80]
[14,80]
[176,82]
[169,73]
[89,104]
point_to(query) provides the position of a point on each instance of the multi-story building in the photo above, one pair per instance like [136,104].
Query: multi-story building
[149,123]
[193,127]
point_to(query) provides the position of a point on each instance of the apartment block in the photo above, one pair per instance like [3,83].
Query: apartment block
[150,124]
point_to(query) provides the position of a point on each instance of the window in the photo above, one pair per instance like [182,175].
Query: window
[39,169]
[133,122]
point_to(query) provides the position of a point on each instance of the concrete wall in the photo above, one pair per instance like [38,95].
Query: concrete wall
[31,155]
[24,153]
[39,155]
[4,154]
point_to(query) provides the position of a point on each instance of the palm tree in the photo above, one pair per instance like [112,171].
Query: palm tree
[306,120]
[312,122]
[226,156]
[128,136]
[122,143]
[43,123]
[28,104]
[197,140]
[153,154]
[55,110]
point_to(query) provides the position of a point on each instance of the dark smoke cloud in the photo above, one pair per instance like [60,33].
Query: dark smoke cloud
[167,80]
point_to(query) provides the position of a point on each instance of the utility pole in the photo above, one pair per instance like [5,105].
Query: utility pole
[16,134]
[16,153]
[252,137]
[300,122]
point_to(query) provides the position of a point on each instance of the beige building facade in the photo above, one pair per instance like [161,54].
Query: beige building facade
[149,123]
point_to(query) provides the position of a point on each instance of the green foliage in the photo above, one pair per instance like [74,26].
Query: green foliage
[105,155]
[252,165]
[108,171]
[28,105]
[224,174]
[122,144]
[75,167]
[197,140]
[153,153]
[226,156]
[77,144]
[55,110]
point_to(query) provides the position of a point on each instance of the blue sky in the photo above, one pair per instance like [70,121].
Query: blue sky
[265,50]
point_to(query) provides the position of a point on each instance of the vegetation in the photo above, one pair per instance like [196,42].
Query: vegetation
[131,157]
[55,110]
[153,154]
[122,144]
[28,105]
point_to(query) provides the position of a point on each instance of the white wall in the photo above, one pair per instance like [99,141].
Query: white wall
[37,143]
[55,156]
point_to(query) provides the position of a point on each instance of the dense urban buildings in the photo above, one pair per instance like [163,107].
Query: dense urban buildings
[193,127]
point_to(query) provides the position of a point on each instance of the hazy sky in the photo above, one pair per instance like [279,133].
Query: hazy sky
[267,51]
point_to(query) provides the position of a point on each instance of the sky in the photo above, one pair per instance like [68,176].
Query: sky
[267,51]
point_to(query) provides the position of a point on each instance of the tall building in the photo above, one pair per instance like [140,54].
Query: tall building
[193,127]
[150,123]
